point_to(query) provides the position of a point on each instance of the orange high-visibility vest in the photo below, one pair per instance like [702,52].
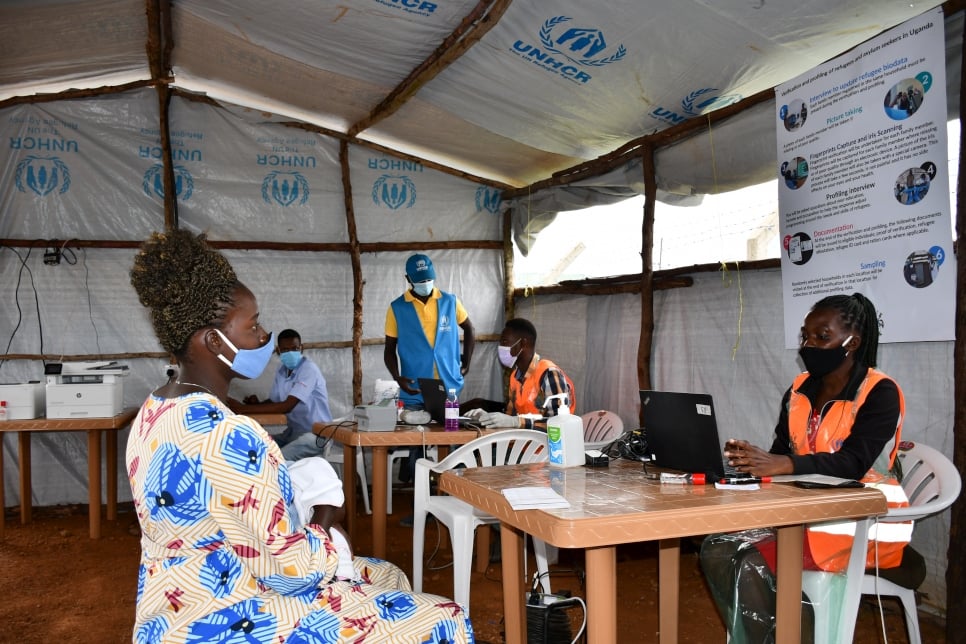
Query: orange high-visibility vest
[830,543]
[524,395]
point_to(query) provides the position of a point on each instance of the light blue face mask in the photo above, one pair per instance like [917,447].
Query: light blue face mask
[290,359]
[423,288]
[248,363]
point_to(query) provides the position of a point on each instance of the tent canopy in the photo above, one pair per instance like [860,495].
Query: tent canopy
[506,92]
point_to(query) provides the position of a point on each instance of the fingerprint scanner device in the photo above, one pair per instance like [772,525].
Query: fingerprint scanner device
[376,418]
[85,389]
[682,433]
[24,401]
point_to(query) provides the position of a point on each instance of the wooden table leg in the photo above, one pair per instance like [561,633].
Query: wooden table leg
[602,595]
[349,487]
[111,473]
[26,494]
[511,550]
[788,613]
[94,481]
[380,481]
[669,579]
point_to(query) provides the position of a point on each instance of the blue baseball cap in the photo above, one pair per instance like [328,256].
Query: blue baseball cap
[419,268]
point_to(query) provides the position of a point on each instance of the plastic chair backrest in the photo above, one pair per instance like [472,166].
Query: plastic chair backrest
[930,480]
[506,447]
[601,427]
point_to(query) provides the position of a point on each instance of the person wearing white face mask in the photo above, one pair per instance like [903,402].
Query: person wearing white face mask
[533,381]
[422,339]
[299,392]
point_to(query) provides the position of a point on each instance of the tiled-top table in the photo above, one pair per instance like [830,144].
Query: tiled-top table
[94,427]
[618,504]
[381,442]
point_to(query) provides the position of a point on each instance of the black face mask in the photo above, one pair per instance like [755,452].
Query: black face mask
[821,362]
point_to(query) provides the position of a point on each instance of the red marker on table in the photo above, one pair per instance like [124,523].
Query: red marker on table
[743,480]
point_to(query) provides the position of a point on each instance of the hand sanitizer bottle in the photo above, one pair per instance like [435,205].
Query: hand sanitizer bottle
[565,437]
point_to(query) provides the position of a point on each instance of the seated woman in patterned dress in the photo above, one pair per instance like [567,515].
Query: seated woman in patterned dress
[221,558]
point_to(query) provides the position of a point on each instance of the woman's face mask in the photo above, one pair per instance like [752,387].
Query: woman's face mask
[248,363]
[290,359]
[505,354]
[821,362]
[423,288]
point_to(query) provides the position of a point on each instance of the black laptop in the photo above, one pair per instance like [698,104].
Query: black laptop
[434,401]
[682,433]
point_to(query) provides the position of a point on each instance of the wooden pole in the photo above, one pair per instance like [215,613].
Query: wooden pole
[647,273]
[955,583]
[509,305]
[355,257]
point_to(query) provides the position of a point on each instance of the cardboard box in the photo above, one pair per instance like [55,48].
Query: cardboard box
[24,401]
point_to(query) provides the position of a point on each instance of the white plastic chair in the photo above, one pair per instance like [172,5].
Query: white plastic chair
[334,453]
[507,447]
[931,483]
[600,428]
[397,454]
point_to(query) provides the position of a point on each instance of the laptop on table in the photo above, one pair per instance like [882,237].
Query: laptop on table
[682,433]
[434,401]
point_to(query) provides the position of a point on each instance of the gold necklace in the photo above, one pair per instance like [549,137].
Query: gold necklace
[194,384]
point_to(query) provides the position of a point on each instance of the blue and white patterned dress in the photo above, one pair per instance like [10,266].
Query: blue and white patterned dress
[220,561]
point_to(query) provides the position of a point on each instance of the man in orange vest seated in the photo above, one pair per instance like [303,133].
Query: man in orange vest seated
[534,381]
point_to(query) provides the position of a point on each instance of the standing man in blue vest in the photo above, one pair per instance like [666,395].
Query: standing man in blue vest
[421,327]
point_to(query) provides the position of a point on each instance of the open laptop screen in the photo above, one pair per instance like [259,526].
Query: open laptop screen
[681,431]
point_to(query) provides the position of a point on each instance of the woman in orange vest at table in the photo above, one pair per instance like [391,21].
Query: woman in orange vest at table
[841,417]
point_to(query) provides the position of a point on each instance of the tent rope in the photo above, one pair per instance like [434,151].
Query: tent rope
[725,273]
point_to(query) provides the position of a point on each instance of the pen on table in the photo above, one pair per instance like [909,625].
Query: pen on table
[743,480]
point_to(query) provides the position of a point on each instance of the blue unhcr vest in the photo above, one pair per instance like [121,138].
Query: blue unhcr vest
[416,357]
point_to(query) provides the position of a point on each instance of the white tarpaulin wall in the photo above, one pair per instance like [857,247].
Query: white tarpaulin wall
[86,169]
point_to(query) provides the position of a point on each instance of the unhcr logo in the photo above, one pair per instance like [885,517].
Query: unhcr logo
[394,191]
[42,175]
[285,188]
[488,199]
[565,51]
[418,7]
[700,101]
[153,184]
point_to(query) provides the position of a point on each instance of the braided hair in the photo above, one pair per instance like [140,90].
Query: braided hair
[857,314]
[185,283]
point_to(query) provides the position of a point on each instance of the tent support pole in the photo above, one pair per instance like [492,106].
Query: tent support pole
[167,166]
[355,257]
[509,305]
[955,583]
[647,272]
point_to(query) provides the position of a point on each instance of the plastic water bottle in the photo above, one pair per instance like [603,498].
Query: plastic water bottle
[452,411]
[3,410]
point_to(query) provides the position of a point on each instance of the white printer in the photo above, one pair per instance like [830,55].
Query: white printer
[24,401]
[376,418]
[85,389]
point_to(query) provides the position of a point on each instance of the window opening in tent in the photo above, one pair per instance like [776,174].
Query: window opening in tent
[605,241]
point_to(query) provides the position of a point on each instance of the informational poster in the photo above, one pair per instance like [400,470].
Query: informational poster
[863,184]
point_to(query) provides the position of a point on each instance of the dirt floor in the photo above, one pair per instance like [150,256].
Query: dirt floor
[60,586]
